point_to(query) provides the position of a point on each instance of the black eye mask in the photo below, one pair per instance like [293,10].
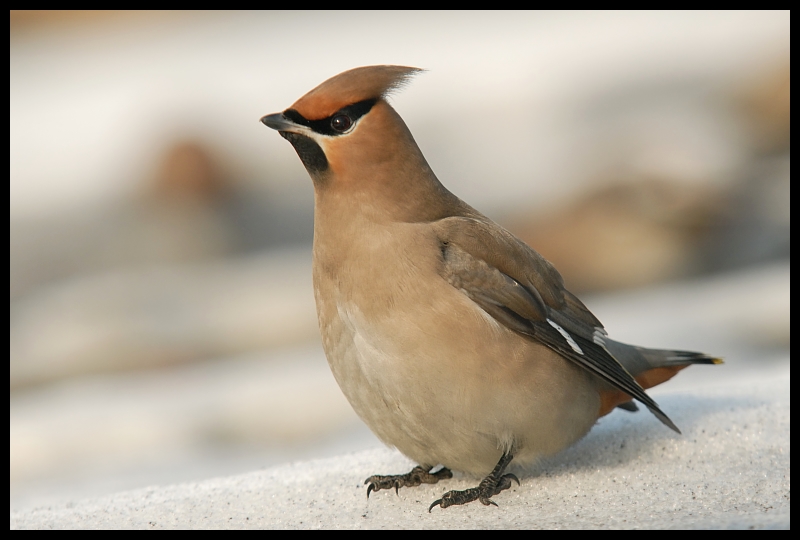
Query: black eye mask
[327,126]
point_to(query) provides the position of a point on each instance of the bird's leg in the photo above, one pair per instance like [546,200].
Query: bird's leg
[489,486]
[418,475]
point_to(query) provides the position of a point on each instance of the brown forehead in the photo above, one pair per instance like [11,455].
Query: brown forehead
[370,82]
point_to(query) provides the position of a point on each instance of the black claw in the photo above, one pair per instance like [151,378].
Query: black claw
[490,486]
[419,475]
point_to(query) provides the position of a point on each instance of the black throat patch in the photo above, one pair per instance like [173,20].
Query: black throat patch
[309,151]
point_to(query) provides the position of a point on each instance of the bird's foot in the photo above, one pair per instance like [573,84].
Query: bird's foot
[486,489]
[489,486]
[418,475]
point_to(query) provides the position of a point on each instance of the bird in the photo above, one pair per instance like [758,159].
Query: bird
[452,339]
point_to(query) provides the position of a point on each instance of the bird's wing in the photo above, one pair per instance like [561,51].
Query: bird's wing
[524,292]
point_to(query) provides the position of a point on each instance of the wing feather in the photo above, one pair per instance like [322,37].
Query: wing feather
[524,292]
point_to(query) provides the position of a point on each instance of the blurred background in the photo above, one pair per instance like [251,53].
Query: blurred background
[162,318]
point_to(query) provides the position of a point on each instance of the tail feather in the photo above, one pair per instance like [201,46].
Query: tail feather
[650,367]
[686,358]
[640,359]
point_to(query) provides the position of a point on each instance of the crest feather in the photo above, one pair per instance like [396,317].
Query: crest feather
[359,84]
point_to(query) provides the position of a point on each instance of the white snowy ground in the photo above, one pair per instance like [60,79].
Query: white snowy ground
[729,469]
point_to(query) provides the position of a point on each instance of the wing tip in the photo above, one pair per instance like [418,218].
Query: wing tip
[665,420]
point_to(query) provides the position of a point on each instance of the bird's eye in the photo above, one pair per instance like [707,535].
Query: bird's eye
[341,123]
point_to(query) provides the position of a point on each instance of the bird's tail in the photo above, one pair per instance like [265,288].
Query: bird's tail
[662,365]
[639,360]
[657,358]
[651,367]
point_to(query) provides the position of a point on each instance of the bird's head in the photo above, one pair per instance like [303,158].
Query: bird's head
[358,150]
[345,115]
[345,131]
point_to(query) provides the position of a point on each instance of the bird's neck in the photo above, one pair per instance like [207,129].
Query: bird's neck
[382,179]
[416,196]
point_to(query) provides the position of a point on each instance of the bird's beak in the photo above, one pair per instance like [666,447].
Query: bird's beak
[279,122]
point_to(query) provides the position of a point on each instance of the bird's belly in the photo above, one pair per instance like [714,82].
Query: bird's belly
[459,392]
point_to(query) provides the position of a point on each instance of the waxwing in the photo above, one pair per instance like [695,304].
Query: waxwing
[453,340]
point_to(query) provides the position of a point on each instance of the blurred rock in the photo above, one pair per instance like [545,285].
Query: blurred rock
[161,278]
[191,210]
[755,226]
[688,180]
[625,235]
[765,104]
[161,315]
[188,175]
[175,220]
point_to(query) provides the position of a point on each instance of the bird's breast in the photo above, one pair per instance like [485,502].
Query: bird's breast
[427,369]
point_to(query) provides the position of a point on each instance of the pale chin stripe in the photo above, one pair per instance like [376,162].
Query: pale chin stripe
[568,337]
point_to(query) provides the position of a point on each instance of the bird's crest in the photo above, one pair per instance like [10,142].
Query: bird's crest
[359,84]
